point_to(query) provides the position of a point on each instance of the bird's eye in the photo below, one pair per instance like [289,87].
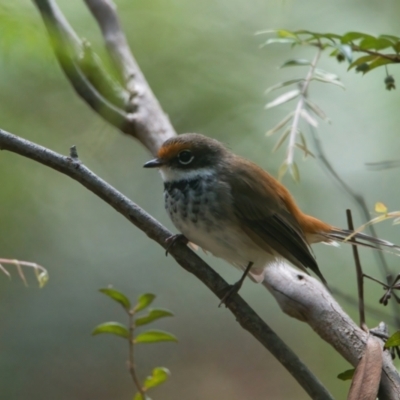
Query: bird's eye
[185,157]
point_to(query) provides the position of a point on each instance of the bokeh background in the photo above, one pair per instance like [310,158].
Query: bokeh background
[206,67]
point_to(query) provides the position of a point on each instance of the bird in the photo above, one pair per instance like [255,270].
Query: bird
[232,208]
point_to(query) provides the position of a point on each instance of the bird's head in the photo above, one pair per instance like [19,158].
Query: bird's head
[187,156]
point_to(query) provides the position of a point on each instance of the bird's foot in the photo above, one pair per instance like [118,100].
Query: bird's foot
[172,240]
[232,290]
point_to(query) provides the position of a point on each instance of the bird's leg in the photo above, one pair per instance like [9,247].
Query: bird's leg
[236,286]
[174,239]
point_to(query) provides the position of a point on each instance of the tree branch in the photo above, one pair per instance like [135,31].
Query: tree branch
[243,313]
[304,298]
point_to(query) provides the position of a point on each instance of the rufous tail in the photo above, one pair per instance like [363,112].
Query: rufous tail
[361,239]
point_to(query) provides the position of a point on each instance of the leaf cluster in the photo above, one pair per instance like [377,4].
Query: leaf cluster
[159,374]
[379,50]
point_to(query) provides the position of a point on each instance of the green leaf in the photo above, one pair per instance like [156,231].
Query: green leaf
[284,98]
[282,170]
[113,328]
[394,39]
[138,396]
[378,63]
[334,53]
[308,118]
[305,150]
[279,40]
[286,34]
[320,73]
[375,43]
[155,336]
[117,296]
[283,84]
[393,341]
[280,124]
[361,60]
[42,277]
[144,301]
[352,36]
[158,376]
[152,316]
[283,137]
[294,171]
[295,63]
[332,81]
[346,375]
[316,110]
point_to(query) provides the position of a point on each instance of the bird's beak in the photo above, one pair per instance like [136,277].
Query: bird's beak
[156,163]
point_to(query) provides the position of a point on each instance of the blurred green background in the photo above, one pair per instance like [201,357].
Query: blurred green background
[207,69]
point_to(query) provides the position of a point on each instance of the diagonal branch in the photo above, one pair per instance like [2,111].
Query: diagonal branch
[243,313]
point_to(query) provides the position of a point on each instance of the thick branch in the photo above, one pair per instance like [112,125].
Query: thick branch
[306,299]
[243,313]
[142,116]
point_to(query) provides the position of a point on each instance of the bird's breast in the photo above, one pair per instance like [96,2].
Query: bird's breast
[202,209]
[198,203]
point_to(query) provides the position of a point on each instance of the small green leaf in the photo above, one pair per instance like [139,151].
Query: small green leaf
[305,150]
[346,375]
[320,73]
[158,376]
[375,43]
[394,39]
[379,62]
[153,315]
[316,110]
[144,301]
[280,141]
[294,171]
[117,296]
[332,81]
[361,60]
[138,396]
[282,84]
[284,98]
[43,278]
[382,43]
[113,328]
[282,170]
[308,118]
[393,341]
[286,34]
[351,36]
[155,336]
[279,40]
[280,124]
[295,63]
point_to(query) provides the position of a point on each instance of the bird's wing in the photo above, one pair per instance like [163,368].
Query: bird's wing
[264,215]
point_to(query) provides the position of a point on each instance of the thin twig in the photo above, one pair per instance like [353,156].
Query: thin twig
[372,311]
[362,206]
[243,313]
[360,276]
[131,362]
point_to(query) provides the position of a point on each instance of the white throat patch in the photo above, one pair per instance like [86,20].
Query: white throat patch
[174,174]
